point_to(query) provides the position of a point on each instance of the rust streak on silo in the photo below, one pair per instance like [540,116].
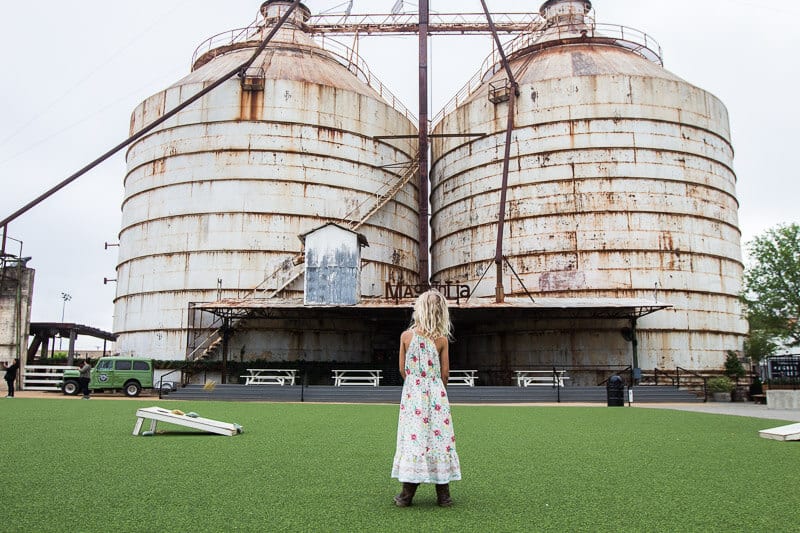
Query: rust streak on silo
[215,199]
[622,186]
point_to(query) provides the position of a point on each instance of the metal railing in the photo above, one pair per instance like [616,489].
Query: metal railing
[341,53]
[200,336]
[658,372]
[629,38]
[161,379]
[626,370]
[678,371]
[408,23]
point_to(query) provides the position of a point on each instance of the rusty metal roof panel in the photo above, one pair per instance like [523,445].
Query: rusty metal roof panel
[476,303]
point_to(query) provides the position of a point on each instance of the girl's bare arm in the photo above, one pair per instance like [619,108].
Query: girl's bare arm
[444,358]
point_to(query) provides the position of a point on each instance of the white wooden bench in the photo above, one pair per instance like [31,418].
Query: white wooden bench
[356,377]
[159,414]
[462,377]
[270,376]
[44,377]
[543,378]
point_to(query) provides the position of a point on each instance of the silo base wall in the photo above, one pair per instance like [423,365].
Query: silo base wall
[324,340]
[320,340]
[590,350]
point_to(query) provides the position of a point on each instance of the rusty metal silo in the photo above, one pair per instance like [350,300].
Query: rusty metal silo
[621,185]
[216,198]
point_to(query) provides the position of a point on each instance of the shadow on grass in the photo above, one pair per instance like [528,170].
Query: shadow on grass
[182,434]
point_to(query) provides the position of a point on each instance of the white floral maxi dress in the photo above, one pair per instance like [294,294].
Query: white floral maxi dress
[426,443]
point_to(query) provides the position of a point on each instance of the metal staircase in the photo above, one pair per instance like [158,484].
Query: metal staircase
[353,221]
[292,268]
[201,346]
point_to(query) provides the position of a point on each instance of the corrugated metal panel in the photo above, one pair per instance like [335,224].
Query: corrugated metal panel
[621,184]
[223,190]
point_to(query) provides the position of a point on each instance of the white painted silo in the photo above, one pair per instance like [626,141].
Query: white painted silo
[621,185]
[216,198]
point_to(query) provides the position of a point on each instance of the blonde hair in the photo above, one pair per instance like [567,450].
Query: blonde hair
[431,315]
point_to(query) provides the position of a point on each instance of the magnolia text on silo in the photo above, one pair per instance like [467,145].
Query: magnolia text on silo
[451,291]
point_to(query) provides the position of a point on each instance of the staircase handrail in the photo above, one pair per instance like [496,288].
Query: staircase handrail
[628,369]
[556,384]
[657,371]
[294,273]
[678,371]
[390,189]
[161,379]
[286,264]
[213,329]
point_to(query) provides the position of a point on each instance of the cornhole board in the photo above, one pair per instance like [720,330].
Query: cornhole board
[158,414]
[790,432]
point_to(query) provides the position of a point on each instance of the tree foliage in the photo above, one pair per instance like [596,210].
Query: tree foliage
[733,367]
[772,283]
[759,345]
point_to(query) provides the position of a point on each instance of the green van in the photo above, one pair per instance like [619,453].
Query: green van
[129,374]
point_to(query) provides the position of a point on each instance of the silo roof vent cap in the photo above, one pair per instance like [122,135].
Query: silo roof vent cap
[558,12]
[275,9]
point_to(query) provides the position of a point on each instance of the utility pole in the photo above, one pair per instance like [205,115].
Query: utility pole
[424,17]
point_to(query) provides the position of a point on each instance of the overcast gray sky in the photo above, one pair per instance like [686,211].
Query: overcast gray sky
[74,71]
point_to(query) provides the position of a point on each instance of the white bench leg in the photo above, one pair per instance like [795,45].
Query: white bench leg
[138,426]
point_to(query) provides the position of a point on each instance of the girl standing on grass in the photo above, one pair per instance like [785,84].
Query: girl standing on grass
[426,443]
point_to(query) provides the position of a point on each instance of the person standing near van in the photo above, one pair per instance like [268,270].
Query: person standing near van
[84,376]
[11,376]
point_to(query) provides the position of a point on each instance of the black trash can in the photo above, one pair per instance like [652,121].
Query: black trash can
[615,391]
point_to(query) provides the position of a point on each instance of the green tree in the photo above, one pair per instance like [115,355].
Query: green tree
[759,345]
[772,283]
[733,367]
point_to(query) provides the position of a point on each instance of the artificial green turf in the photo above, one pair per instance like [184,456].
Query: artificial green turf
[71,465]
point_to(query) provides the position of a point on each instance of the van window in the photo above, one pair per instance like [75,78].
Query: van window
[123,365]
[141,365]
[105,364]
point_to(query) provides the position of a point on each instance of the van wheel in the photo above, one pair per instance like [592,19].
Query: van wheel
[70,387]
[132,388]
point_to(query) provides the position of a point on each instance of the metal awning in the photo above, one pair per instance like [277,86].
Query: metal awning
[475,309]
[64,329]
[43,332]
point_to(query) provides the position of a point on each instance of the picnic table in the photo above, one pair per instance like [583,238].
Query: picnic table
[462,377]
[526,378]
[356,377]
[270,376]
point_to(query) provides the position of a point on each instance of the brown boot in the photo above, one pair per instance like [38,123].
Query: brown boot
[443,495]
[406,495]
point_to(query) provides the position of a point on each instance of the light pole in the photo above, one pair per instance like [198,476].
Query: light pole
[66,297]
